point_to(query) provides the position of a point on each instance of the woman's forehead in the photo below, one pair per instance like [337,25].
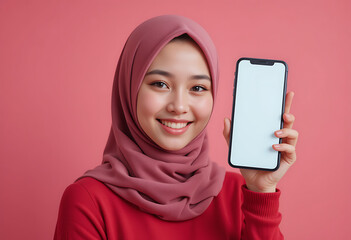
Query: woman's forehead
[181,57]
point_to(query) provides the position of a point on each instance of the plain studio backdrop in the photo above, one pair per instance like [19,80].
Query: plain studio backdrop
[57,62]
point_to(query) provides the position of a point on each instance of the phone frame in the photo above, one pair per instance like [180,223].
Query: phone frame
[260,61]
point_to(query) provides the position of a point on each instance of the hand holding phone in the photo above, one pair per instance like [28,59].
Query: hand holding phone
[264,181]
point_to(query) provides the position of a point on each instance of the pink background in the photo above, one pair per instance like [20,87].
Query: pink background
[57,61]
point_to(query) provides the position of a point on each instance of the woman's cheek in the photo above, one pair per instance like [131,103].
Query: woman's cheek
[203,108]
[150,103]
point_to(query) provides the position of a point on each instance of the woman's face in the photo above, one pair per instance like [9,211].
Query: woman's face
[175,98]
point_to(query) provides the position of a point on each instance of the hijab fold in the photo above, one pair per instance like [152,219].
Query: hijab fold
[173,185]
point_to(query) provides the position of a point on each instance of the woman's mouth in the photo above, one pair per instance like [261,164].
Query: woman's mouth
[174,127]
[173,124]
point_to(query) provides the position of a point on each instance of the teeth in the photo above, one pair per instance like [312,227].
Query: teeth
[173,124]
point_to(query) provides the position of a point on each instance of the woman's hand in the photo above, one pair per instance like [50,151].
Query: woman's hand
[266,181]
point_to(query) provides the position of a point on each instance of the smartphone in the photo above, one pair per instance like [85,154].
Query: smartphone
[258,108]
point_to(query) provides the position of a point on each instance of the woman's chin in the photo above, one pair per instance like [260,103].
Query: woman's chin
[173,145]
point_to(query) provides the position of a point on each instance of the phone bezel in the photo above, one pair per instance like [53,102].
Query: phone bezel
[263,62]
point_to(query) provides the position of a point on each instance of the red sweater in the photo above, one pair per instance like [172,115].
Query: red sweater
[90,210]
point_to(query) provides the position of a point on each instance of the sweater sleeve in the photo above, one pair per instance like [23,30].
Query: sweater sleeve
[261,215]
[78,216]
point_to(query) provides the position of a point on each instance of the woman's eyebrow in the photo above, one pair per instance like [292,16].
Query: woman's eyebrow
[167,74]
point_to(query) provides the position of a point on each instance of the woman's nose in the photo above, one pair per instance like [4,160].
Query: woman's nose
[178,103]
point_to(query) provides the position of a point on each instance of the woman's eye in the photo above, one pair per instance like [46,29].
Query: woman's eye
[198,88]
[159,84]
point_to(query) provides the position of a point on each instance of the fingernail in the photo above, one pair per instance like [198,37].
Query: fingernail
[276,145]
[280,132]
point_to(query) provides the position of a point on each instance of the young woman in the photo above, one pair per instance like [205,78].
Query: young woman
[156,180]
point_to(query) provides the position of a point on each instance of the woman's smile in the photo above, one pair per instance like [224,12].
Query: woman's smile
[174,123]
[173,126]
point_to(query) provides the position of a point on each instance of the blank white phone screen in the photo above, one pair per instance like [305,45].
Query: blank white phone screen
[257,114]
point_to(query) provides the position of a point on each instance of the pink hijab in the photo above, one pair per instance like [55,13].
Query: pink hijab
[173,185]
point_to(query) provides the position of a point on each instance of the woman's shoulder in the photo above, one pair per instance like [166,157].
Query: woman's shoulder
[230,196]
[233,178]
[232,185]
[88,184]
[84,191]
[80,208]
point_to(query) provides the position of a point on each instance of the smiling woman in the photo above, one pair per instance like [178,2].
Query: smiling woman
[175,98]
[156,180]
